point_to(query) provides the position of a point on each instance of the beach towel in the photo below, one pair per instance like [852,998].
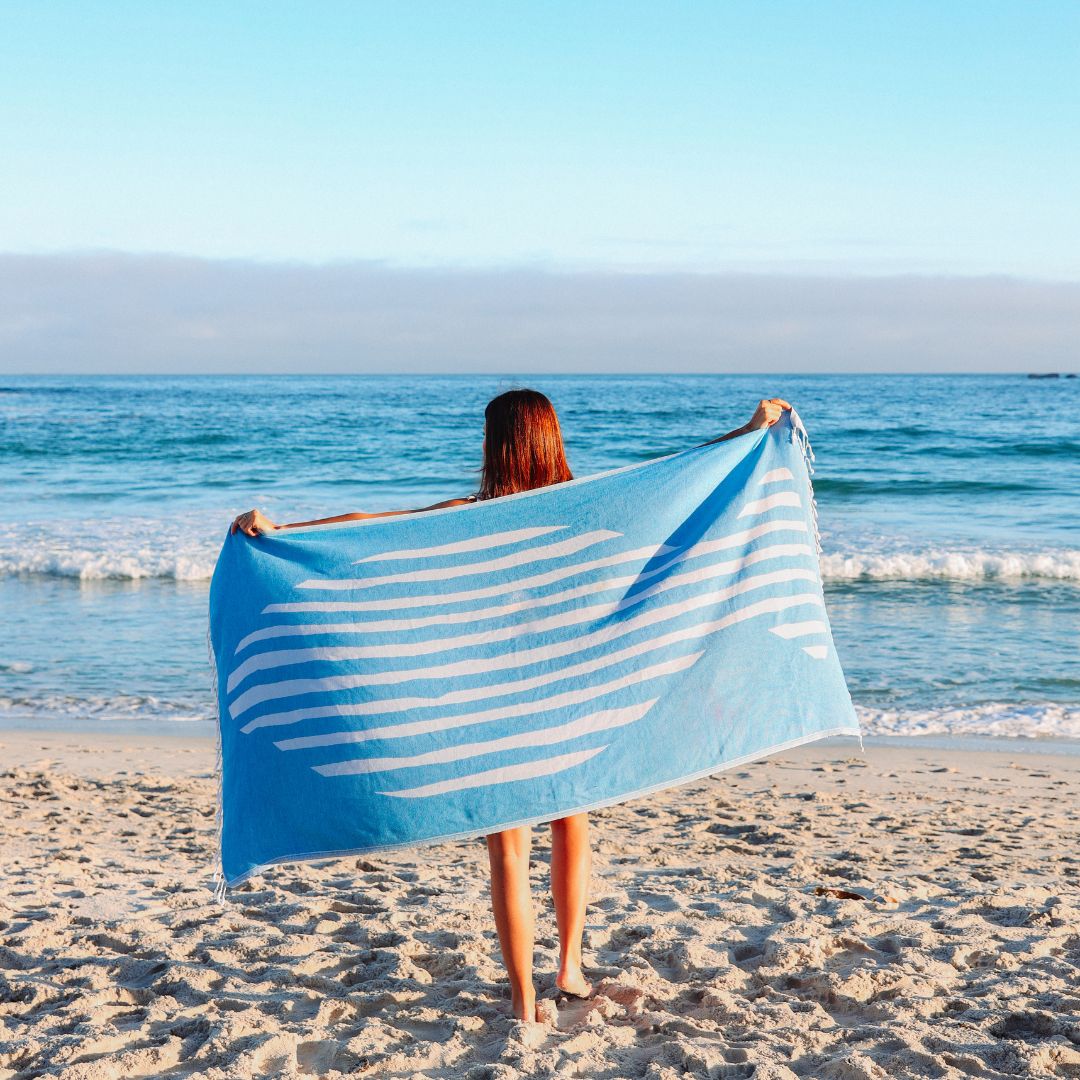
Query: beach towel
[402,680]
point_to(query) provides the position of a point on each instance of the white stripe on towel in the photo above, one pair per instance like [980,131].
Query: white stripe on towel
[798,629]
[589,613]
[573,729]
[481,665]
[774,476]
[502,775]
[445,723]
[396,603]
[477,543]
[332,683]
[378,626]
[542,553]
[770,502]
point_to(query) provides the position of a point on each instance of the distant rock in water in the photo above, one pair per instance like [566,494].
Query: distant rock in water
[1049,375]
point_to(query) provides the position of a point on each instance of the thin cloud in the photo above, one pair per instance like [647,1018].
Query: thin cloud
[159,313]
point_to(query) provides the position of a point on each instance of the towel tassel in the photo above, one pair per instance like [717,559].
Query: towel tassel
[218,877]
[802,438]
[799,435]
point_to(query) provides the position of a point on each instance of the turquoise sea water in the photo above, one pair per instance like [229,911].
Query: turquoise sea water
[949,509]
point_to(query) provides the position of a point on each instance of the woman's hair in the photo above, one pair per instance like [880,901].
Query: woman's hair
[523,447]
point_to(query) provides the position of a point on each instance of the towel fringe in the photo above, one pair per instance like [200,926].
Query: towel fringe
[802,439]
[218,878]
[799,435]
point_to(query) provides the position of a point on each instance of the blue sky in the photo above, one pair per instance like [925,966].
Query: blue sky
[870,137]
[533,186]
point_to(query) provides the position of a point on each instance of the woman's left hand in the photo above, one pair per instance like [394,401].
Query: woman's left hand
[767,413]
[252,523]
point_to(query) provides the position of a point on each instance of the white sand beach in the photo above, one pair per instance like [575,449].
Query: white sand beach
[822,914]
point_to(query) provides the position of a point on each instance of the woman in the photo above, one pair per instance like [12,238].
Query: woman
[522,450]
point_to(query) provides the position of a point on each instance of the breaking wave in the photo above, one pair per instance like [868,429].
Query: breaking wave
[994,719]
[951,565]
[133,555]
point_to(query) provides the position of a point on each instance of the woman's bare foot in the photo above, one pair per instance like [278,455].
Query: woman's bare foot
[571,981]
[524,1008]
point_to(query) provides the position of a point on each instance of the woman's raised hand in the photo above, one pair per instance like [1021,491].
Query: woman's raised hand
[767,413]
[252,523]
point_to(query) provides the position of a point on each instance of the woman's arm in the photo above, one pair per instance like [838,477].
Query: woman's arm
[253,522]
[765,415]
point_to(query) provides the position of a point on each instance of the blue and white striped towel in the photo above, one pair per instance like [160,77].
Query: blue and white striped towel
[409,679]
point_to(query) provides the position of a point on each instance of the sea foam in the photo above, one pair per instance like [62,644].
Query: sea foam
[993,719]
[951,565]
[88,565]
[119,549]
[126,554]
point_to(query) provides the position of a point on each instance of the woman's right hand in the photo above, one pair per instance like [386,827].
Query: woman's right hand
[252,523]
[767,413]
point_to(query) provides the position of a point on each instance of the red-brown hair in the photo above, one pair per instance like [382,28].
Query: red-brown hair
[523,447]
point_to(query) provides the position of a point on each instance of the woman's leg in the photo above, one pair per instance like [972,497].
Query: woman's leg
[511,900]
[571,862]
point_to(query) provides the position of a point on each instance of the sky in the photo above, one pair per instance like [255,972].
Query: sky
[619,146]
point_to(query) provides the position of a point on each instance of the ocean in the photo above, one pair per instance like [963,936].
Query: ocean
[949,509]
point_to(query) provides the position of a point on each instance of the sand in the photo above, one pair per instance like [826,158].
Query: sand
[910,913]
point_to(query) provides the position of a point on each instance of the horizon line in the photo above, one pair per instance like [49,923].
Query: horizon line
[817,269]
[1018,373]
